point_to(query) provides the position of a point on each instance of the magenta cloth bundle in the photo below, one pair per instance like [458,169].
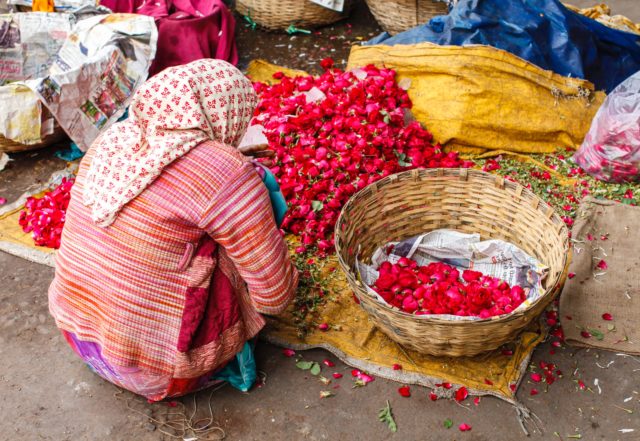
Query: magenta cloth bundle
[188,30]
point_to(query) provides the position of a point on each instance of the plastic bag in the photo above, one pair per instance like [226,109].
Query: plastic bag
[611,149]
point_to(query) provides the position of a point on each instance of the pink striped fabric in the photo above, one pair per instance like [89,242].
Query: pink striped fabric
[124,287]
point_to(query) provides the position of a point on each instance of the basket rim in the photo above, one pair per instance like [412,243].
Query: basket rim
[360,291]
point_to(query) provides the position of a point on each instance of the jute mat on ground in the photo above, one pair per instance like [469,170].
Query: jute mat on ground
[607,232]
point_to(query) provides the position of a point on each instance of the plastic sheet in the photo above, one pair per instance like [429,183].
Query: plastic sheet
[611,149]
[543,32]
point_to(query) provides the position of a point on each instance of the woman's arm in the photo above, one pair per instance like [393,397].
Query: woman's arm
[240,219]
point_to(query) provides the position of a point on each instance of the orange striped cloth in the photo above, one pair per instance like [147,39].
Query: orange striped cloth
[125,287]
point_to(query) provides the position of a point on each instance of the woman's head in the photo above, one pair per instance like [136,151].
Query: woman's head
[169,115]
[207,95]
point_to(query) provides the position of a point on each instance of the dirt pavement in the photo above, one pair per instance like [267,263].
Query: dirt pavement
[46,393]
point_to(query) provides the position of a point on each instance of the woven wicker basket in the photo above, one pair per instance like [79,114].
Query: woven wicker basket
[414,202]
[395,16]
[278,15]
[9,146]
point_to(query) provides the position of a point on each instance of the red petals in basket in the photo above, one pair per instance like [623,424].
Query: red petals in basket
[439,288]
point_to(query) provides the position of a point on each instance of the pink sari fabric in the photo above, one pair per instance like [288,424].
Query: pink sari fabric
[188,30]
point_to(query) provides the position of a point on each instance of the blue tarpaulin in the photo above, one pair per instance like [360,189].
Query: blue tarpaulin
[542,32]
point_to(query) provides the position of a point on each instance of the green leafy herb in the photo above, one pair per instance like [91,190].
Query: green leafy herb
[311,366]
[597,334]
[315,369]
[448,423]
[304,365]
[386,417]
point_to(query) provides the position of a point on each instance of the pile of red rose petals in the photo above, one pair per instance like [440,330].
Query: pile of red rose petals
[44,217]
[335,134]
[439,288]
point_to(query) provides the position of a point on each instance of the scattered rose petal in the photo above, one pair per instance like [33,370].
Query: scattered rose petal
[3,201]
[328,362]
[489,382]
[536,377]
[533,392]
[355,372]
[461,394]
[585,334]
[512,386]
[464,427]
[433,396]
[337,375]
[288,352]
[476,401]
[172,403]
[323,327]
[571,275]
[404,391]
[602,265]
[397,367]
[507,352]
[607,316]
[590,236]
[581,385]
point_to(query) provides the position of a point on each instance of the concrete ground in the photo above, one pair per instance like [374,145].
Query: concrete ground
[46,393]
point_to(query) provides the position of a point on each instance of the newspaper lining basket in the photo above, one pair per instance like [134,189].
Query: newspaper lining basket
[406,204]
[395,16]
[277,15]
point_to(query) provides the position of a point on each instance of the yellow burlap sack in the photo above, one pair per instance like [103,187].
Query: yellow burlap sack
[478,98]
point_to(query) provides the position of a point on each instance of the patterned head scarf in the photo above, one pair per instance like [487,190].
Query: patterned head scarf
[170,114]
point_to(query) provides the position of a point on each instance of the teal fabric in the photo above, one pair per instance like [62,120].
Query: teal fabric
[277,199]
[240,372]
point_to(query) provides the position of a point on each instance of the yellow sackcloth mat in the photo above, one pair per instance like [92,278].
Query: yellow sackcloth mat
[475,98]
[14,241]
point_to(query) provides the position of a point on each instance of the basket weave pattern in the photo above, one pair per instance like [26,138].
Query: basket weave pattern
[414,202]
[395,16]
[10,146]
[278,15]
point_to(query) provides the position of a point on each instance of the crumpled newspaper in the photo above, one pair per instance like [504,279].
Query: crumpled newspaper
[495,258]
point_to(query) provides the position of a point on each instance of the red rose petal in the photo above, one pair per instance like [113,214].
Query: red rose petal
[464,427]
[397,367]
[476,401]
[534,392]
[489,382]
[512,386]
[602,265]
[328,362]
[461,394]
[323,327]
[433,397]
[607,316]
[3,201]
[581,385]
[288,352]
[571,275]
[536,377]
[355,372]
[585,334]
[337,375]
[404,391]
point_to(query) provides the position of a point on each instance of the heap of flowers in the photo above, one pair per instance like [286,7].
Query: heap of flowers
[44,217]
[335,134]
[438,288]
